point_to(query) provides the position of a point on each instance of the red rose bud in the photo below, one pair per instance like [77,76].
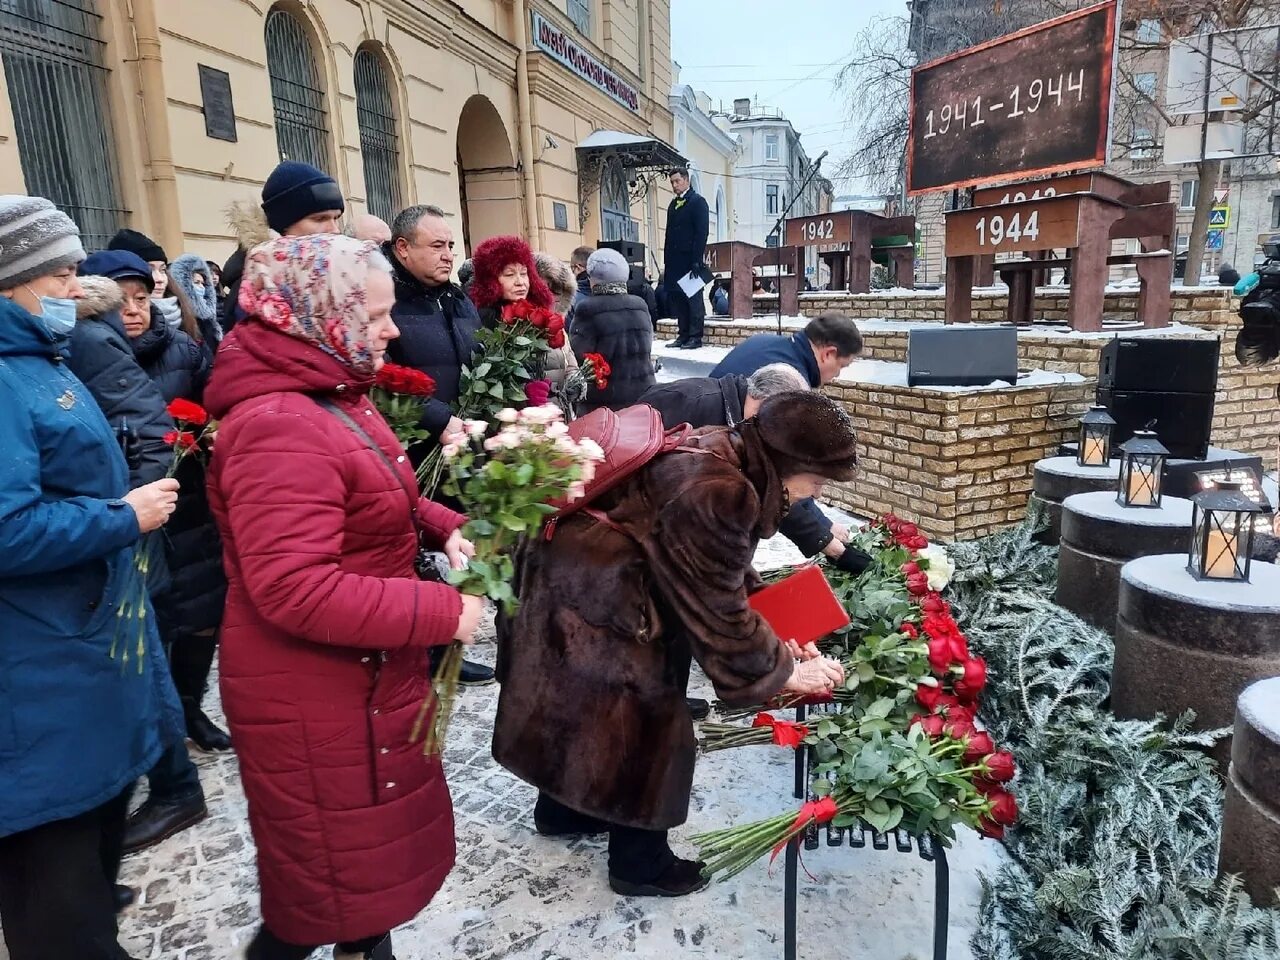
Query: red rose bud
[1000,766]
[974,679]
[989,828]
[961,712]
[927,696]
[910,568]
[917,585]
[940,655]
[980,744]
[556,340]
[932,603]
[909,629]
[1004,808]
[556,323]
[931,724]
[986,787]
[959,729]
[917,543]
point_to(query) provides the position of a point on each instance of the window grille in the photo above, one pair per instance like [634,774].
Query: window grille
[379,141]
[296,94]
[53,57]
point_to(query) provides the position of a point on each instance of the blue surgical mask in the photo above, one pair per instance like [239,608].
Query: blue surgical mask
[59,315]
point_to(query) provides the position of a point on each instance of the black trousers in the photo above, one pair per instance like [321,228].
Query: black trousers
[635,855]
[690,313]
[267,946]
[56,886]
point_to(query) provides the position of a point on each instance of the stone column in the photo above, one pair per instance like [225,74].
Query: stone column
[1057,478]
[1187,644]
[1099,537]
[1251,818]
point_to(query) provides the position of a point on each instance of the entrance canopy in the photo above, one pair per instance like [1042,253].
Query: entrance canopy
[643,157]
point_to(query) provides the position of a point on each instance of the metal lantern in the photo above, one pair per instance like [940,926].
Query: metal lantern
[1222,533]
[1141,470]
[1095,438]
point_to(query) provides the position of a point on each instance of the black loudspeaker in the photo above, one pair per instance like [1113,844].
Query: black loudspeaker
[1183,421]
[631,250]
[1162,365]
[948,356]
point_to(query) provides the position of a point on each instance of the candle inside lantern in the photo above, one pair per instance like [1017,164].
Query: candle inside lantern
[1220,563]
[1140,488]
[1093,453]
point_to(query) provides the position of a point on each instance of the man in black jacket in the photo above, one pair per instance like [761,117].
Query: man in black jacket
[827,345]
[438,326]
[688,221]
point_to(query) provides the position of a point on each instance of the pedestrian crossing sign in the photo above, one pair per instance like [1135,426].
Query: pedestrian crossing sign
[1220,217]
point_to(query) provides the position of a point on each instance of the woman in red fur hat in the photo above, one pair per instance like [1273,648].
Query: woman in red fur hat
[505,273]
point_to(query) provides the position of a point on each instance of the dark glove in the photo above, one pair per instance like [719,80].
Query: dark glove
[853,560]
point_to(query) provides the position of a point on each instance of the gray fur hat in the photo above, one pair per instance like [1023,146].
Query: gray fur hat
[36,238]
[204,302]
[607,266]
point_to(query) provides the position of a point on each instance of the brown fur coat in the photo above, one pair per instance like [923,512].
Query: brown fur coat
[594,665]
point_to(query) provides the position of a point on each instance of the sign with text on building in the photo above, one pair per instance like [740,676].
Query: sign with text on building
[562,48]
[1031,103]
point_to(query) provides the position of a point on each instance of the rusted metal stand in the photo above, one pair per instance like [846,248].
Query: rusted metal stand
[927,847]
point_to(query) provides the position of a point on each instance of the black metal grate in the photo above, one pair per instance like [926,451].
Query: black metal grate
[379,140]
[297,95]
[53,58]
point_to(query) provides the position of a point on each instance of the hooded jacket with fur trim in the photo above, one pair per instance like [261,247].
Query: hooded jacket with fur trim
[249,224]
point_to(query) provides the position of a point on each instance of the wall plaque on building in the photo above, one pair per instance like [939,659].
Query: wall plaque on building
[562,48]
[1032,103]
[219,111]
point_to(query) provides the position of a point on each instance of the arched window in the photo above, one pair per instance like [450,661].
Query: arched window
[379,141]
[296,93]
[53,58]
[615,205]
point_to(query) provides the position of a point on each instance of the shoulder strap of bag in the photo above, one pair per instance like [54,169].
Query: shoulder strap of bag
[359,431]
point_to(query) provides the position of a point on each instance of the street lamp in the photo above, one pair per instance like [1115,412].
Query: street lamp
[1141,470]
[1094,449]
[1222,533]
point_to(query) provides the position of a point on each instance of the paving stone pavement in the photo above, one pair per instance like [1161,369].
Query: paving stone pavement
[514,894]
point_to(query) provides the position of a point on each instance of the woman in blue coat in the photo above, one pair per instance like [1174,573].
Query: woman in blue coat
[77,727]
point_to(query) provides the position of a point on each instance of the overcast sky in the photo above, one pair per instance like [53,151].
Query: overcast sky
[783,53]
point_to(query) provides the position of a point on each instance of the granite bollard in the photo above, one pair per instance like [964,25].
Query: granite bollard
[1251,816]
[1057,478]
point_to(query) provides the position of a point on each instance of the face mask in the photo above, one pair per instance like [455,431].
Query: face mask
[58,314]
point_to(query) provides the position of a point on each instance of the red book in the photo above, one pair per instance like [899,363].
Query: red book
[803,607]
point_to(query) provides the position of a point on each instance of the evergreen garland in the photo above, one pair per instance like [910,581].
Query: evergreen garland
[1115,852]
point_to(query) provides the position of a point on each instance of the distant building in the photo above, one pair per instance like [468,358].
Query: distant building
[712,154]
[884,204]
[770,169]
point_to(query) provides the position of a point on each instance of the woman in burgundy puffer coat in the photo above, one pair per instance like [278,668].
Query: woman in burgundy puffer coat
[326,631]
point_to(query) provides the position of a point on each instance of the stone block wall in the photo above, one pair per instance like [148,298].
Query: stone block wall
[959,464]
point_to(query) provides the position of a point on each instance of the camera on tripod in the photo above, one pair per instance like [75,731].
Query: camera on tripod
[1259,340]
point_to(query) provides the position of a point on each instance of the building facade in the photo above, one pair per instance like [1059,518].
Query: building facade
[772,170]
[712,155]
[159,114]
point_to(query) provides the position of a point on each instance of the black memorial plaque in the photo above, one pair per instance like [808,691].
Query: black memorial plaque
[1031,103]
[219,111]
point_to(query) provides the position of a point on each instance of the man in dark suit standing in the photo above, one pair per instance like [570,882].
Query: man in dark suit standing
[688,220]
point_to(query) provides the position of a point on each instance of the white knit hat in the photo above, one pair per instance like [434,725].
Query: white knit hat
[36,238]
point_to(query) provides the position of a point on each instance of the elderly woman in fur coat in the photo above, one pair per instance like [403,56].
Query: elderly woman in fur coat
[594,664]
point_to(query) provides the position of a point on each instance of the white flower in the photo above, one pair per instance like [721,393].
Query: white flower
[449,451]
[494,443]
[475,428]
[590,450]
[588,469]
[557,429]
[940,568]
[545,414]
[508,415]
[577,491]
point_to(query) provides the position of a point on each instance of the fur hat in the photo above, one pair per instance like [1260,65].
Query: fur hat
[495,255]
[203,300]
[296,190]
[136,242]
[808,432]
[36,239]
[559,278]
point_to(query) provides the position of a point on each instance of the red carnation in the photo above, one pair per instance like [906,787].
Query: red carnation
[979,746]
[1004,808]
[187,412]
[931,723]
[909,629]
[927,696]
[940,658]
[974,679]
[917,585]
[180,440]
[1000,766]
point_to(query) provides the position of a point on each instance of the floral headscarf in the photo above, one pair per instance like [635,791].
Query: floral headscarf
[315,288]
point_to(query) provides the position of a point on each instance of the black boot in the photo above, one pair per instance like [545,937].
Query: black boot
[680,878]
[157,820]
[695,344]
[678,342]
[124,896]
[699,709]
[553,819]
[380,951]
[202,731]
[472,674]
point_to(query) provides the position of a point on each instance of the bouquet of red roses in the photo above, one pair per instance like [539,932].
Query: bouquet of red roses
[400,393]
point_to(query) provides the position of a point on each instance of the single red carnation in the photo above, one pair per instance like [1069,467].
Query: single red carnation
[909,629]
[180,440]
[185,411]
